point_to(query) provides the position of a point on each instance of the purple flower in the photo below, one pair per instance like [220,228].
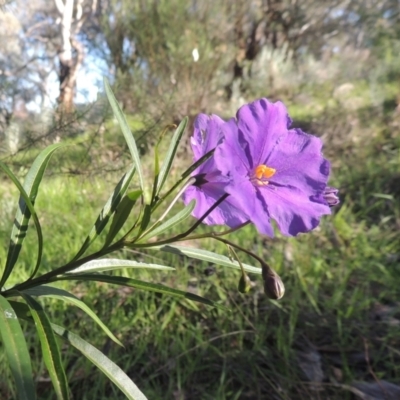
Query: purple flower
[210,184]
[270,172]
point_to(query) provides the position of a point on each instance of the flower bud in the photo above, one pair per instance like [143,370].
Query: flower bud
[273,285]
[244,285]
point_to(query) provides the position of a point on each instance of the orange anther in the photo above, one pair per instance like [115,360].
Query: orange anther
[262,171]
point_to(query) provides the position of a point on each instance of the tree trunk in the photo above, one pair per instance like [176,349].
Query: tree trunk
[69,68]
[70,57]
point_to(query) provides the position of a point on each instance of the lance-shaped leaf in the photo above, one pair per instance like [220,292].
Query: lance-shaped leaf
[16,349]
[130,140]
[108,264]
[50,350]
[208,256]
[175,220]
[18,234]
[156,167]
[121,215]
[21,310]
[169,157]
[108,367]
[146,218]
[151,287]
[21,221]
[107,211]
[63,295]
[184,176]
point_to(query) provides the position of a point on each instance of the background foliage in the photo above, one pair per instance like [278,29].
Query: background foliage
[336,65]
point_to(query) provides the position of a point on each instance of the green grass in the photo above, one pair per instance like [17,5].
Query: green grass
[342,285]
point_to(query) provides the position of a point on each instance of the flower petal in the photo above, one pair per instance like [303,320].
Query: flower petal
[292,210]
[230,156]
[206,136]
[248,200]
[262,126]
[299,163]
[206,196]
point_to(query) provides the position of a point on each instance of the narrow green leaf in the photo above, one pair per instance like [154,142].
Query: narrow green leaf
[185,175]
[107,211]
[175,220]
[156,172]
[109,368]
[22,310]
[16,349]
[146,218]
[130,140]
[151,287]
[60,294]
[18,234]
[21,221]
[121,215]
[169,157]
[108,264]
[156,164]
[50,350]
[197,164]
[208,256]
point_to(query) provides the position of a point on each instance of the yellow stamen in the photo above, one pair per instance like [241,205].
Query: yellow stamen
[264,172]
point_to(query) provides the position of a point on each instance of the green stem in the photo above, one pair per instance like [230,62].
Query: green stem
[184,235]
[237,259]
[250,253]
[51,275]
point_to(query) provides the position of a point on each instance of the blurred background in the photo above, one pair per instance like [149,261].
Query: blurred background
[336,65]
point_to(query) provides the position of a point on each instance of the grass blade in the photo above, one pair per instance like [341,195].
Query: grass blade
[175,220]
[151,287]
[208,256]
[109,368]
[109,264]
[63,295]
[18,234]
[50,350]
[107,211]
[169,157]
[130,140]
[16,350]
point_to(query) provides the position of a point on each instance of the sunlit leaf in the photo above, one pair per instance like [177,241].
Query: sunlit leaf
[208,256]
[63,295]
[146,218]
[109,368]
[107,211]
[184,176]
[16,349]
[108,264]
[18,235]
[22,310]
[121,214]
[175,220]
[170,155]
[151,287]
[21,221]
[130,140]
[50,350]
